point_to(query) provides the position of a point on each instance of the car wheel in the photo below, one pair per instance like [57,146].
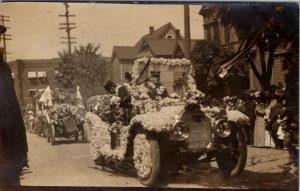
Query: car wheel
[232,161]
[52,135]
[47,134]
[76,136]
[84,133]
[146,157]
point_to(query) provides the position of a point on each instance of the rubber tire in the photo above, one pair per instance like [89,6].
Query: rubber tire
[84,134]
[155,170]
[76,137]
[238,166]
[52,135]
[48,135]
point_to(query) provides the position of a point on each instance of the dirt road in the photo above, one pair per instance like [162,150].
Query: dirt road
[69,164]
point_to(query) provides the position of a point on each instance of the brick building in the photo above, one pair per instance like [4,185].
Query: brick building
[32,76]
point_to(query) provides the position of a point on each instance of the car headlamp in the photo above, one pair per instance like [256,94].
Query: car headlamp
[180,131]
[222,128]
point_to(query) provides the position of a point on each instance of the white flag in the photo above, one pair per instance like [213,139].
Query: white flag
[46,98]
[79,97]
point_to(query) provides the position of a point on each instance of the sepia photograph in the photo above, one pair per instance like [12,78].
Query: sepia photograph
[141,95]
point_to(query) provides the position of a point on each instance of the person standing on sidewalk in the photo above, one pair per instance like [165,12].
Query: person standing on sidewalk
[13,142]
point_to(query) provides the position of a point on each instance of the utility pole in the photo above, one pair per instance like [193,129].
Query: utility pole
[3,20]
[67,26]
[187,33]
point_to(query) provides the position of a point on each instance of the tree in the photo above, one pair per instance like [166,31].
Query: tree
[271,25]
[206,57]
[83,67]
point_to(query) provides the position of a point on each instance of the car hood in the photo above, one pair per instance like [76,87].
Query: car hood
[160,121]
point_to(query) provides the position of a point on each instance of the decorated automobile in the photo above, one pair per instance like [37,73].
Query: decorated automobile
[64,123]
[153,129]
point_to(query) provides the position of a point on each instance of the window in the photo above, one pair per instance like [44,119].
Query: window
[31,75]
[32,92]
[169,36]
[41,74]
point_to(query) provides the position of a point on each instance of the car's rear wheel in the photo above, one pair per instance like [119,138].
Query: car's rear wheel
[233,160]
[84,133]
[47,132]
[52,136]
[146,157]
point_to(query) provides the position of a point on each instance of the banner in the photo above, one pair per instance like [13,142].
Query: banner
[46,97]
[79,98]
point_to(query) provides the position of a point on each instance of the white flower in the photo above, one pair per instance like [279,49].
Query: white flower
[115,100]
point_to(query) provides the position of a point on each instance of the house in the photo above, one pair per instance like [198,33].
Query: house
[226,36]
[165,42]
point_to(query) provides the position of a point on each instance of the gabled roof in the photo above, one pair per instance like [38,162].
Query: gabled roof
[161,47]
[124,52]
[181,44]
[158,33]
[155,42]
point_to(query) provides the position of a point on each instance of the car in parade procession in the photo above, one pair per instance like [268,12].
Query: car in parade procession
[154,131]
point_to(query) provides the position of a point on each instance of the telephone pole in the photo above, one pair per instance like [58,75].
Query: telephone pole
[3,20]
[68,27]
[187,33]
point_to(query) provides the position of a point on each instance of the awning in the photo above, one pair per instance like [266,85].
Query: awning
[41,74]
[31,74]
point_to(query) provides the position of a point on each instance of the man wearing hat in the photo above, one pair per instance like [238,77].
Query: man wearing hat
[13,143]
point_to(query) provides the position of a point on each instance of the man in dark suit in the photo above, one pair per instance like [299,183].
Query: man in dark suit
[13,142]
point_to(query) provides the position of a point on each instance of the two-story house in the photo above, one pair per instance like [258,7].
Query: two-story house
[165,42]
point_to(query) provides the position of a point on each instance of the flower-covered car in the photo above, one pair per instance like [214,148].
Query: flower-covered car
[65,123]
[161,128]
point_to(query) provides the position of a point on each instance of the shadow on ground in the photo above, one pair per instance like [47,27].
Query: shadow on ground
[205,175]
[212,177]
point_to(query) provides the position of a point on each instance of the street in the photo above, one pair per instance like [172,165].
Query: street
[69,164]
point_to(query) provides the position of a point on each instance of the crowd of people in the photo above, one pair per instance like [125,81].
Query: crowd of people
[265,109]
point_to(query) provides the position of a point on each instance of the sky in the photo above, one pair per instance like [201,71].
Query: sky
[34,26]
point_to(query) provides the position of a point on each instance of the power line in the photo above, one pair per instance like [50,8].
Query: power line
[3,20]
[68,27]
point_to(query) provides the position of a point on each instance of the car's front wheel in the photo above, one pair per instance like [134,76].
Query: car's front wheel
[232,160]
[146,157]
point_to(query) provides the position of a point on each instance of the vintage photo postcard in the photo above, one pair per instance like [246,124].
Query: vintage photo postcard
[143,95]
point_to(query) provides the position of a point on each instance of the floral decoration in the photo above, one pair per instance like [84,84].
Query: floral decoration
[163,119]
[215,113]
[142,155]
[101,138]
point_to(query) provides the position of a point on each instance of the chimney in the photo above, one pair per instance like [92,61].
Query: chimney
[177,34]
[151,29]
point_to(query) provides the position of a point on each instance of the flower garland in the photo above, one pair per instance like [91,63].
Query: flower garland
[140,63]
